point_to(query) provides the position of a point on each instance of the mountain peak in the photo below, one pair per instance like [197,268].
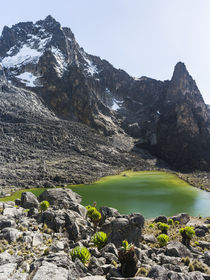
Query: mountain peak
[180,71]
[49,18]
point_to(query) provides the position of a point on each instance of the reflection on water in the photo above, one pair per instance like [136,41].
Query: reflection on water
[150,193]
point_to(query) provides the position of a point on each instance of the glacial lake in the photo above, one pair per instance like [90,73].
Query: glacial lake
[150,193]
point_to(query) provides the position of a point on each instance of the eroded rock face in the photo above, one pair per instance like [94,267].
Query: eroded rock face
[168,118]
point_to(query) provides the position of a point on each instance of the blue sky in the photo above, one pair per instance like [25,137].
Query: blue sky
[142,37]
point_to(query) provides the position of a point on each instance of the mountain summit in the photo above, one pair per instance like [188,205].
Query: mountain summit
[169,119]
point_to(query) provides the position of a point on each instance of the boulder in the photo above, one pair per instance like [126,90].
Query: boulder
[10,234]
[63,198]
[110,248]
[162,219]
[207,258]
[6,270]
[29,200]
[50,271]
[5,222]
[177,249]
[129,228]
[55,219]
[107,212]
[76,226]
[55,266]
[201,231]
[182,218]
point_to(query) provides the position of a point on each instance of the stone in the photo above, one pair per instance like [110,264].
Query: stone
[204,244]
[76,226]
[10,234]
[182,218]
[207,258]
[6,270]
[201,231]
[128,228]
[177,249]
[29,200]
[7,258]
[110,248]
[149,238]
[98,277]
[50,271]
[107,212]
[63,198]
[5,222]
[162,219]
[55,219]
[37,240]
[58,246]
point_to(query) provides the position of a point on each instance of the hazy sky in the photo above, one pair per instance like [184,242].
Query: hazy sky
[143,37]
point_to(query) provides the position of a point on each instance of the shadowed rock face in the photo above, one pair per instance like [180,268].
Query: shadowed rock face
[168,118]
[182,132]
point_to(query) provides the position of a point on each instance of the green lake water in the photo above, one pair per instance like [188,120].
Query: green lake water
[151,193]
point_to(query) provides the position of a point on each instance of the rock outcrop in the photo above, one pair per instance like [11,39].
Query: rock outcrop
[39,245]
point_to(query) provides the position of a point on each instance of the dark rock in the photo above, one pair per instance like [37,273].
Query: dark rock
[177,249]
[162,219]
[10,234]
[201,230]
[207,258]
[204,244]
[110,248]
[149,238]
[128,228]
[29,200]
[6,223]
[17,202]
[107,212]
[63,198]
[182,218]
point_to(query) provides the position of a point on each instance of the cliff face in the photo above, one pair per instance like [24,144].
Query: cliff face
[168,118]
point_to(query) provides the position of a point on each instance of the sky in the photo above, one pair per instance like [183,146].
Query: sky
[142,37]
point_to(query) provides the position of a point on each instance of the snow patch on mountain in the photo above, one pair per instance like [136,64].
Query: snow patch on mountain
[25,55]
[90,67]
[28,79]
[61,61]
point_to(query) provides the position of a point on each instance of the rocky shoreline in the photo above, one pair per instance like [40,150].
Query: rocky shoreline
[37,243]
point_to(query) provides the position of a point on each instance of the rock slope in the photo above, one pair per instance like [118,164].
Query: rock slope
[64,112]
[37,245]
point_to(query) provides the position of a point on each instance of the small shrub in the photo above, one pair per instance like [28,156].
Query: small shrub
[128,259]
[142,271]
[163,239]
[46,251]
[94,215]
[196,243]
[186,261]
[187,234]
[81,253]
[163,227]
[170,222]
[191,267]
[44,205]
[99,239]
[151,225]
[126,246]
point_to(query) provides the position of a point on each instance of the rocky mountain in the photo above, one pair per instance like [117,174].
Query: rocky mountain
[47,79]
